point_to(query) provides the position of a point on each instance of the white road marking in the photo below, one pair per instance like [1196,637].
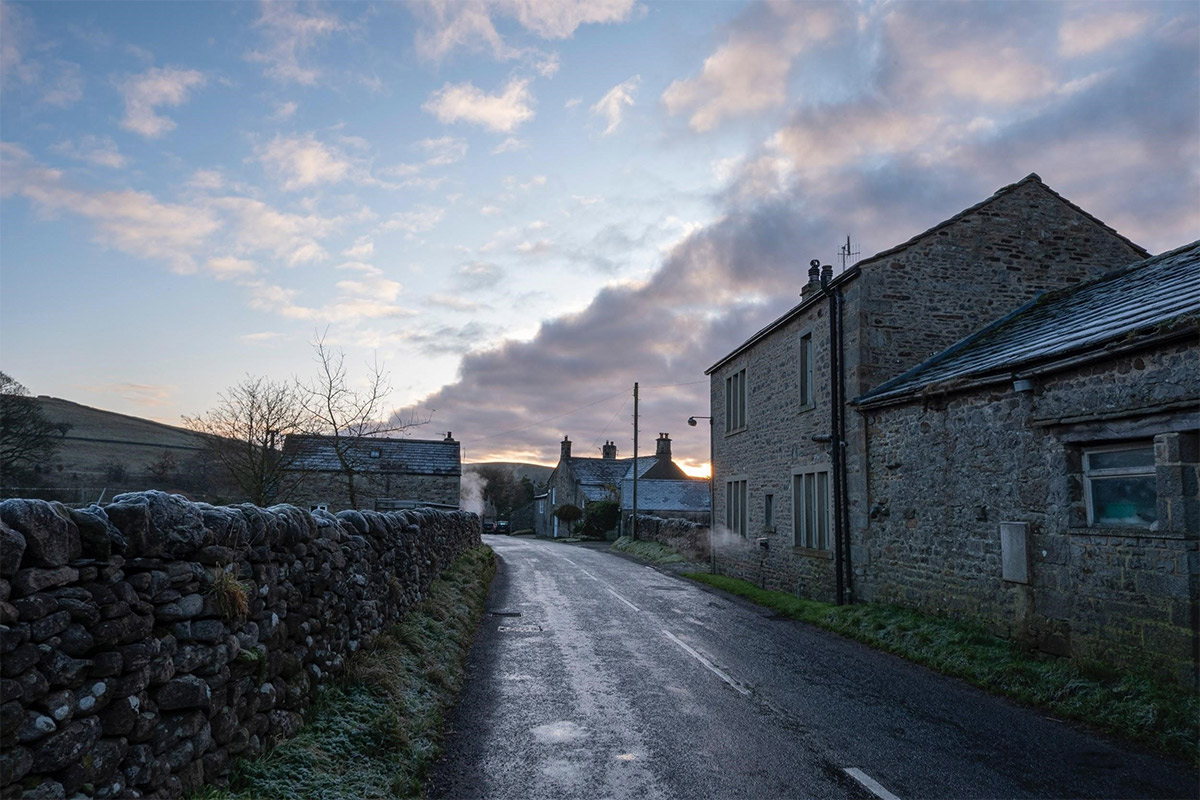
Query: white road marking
[581,569]
[870,784]
[711,666]
[622,599]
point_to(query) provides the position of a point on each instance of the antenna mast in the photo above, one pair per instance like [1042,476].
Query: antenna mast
[847,254]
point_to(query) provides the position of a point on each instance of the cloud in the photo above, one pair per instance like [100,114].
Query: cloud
[262,337]
[289,34]
[749,73]
[463,102]
[95,150]
[226,267]
[572,102]
[148,395]
[443,151]
[348,308]
[16,22]
[303,161]
[67,88]
[489,211]
[883,160]
[132,222]
[612,106]
[419,220]
[1092,32]
[145,93]
[284,111]
[510,145]
[291,238]
[363,247]
[471,24]
[478,275]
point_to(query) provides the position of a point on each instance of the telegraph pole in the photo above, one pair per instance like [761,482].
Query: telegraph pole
[635,454]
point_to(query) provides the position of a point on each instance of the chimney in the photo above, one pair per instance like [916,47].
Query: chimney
[814,279]
[826,274]
[449,437]
[565,452]
[609,450]
[663,449]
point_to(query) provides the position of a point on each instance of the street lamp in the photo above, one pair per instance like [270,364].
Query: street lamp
[712,472]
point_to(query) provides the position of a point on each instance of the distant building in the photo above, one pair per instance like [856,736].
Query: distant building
[667,498]
[579,481]
[388,473]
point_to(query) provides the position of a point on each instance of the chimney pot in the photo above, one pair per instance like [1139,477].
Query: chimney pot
[565,449]
[826,274]
[610,450]
[663,446]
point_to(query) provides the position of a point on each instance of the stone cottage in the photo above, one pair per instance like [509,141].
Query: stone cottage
[1042,474]
[581,480]
[789,450]
[388,473]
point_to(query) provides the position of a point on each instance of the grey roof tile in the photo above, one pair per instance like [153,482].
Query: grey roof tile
[1132,301]
[667,495]
[394,456]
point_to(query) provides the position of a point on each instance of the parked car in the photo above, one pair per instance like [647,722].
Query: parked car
[502,527]
[489,527]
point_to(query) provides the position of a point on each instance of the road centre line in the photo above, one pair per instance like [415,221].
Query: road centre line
[711,666]
[870,784]
[622,599]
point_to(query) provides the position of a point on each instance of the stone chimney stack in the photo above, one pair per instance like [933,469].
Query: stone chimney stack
[663,448]
[609,451]
[565,452]
[814,279]
[449,437]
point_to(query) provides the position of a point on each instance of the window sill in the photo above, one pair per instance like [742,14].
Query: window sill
[1128,533]
[736,431]
[806,407]
[813,553]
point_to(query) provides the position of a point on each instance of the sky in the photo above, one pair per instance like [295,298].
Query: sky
[522,207]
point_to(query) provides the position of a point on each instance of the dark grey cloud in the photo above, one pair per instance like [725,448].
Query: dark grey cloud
[964,98]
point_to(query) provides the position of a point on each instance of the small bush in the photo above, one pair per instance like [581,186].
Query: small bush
[231,595]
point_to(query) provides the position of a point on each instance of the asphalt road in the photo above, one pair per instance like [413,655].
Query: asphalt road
[593,676]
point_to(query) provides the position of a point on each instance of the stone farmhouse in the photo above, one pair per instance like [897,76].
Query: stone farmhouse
[389,474]
[580,480]
[1089,396]
[802,479]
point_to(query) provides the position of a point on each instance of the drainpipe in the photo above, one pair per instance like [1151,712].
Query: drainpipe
[836,428]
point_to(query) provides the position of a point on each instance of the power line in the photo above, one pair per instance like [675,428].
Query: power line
[610,422]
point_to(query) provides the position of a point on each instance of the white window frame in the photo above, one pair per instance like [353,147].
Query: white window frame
[806,371]
[735,401]
[1115,472]
[822,537]
[737,505]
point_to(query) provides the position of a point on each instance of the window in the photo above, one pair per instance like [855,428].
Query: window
[735,401]
[735,506]
[769,511]
[810,505]
[806,370]
[1119,485]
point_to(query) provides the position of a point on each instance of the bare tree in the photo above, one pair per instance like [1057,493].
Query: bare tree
[27,438]
[344,414]
[245,434]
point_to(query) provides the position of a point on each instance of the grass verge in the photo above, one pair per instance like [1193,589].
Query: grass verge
[653,552]
[1130,704]
[375,733]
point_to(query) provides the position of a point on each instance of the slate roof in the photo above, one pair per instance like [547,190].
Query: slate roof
[1157,294]
[608,470]
[667,495]
[853,272]
[396,456]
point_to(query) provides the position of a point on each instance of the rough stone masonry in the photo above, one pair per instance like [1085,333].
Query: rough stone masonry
[146,643]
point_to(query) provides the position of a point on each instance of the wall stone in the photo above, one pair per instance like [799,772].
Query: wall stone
[330,488]
[945,472]
[685,536]
[125,673]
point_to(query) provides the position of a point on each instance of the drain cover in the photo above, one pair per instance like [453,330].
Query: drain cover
[503,613]
[519,628]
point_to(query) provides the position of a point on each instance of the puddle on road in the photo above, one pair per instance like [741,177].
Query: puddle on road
[564,731]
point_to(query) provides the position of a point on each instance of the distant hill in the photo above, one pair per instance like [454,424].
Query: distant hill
[104,451]
[535,472]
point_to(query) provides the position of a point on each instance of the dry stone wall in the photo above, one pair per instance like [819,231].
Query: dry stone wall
[146,643]
[686,537]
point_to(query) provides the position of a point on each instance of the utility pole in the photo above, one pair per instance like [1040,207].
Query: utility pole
[635,454]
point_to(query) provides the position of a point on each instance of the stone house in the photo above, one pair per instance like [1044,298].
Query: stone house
[1041,475]
[687,499]
[790,460]
[389,474]
[581,480]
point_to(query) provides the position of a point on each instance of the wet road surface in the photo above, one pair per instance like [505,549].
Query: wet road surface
[593,676]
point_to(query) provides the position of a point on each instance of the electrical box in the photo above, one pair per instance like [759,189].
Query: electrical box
[1014,551]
